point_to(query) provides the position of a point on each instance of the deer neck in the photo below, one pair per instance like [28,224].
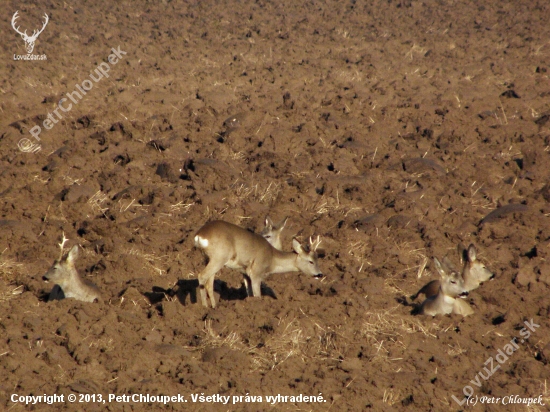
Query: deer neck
[470,282]
[443,298]
[449,300]
[74,282]
[283,262]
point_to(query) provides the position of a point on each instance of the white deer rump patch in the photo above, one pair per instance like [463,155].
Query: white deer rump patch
[201,242]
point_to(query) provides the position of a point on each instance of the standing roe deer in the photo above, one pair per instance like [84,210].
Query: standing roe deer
[445,301]
[63,273]
[229,245]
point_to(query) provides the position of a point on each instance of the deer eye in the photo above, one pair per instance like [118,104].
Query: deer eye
[453,282]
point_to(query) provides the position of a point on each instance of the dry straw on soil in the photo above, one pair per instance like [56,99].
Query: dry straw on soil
[10,271]
[301,339]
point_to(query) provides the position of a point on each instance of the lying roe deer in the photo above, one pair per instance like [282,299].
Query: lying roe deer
[63,273]
[272,232]
[432,288]
[474,272]
[446,300]
[231,246]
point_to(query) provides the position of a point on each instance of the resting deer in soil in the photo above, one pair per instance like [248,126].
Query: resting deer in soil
[231,246]
[63,273]
[474,272]
[272,232]
[447,301]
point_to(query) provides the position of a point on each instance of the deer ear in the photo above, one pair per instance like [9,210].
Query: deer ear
[268,222]
[73,254]
[472,253]
[283,223]
[462,253]
[297,246]
[440,268]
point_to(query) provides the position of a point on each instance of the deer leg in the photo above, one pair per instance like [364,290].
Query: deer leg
[257,288]
[462,308]
[210,291]
[256,285]
[206,283]
[247,284]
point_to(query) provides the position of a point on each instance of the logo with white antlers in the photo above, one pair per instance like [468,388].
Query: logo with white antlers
[29,40]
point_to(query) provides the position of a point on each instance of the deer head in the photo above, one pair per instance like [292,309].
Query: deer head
[29,40]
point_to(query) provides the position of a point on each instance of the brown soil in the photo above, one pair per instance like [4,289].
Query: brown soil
[391,129]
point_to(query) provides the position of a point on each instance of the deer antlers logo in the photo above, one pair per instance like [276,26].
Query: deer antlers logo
[29,40]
